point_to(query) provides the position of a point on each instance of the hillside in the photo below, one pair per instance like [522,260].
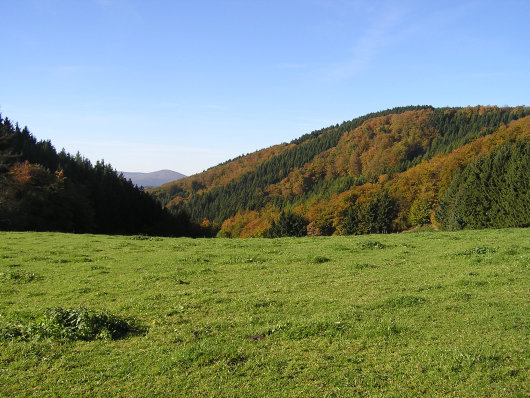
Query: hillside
[383,172]
[42,190]
[152,179]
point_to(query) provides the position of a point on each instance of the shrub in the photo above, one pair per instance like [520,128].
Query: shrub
[479,250]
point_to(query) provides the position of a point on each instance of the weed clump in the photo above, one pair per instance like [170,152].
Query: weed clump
[479,250]
[146,237]
[71,324]
[360,266]
[372,244]
[402,302]
[319,260]
[20,276]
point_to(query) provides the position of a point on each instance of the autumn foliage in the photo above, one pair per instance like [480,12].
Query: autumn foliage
[384,172]
[380,174]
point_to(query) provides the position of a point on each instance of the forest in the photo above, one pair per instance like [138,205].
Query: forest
[42,190]
[388,171]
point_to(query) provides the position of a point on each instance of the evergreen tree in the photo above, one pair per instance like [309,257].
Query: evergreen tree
[47,190]
[288,224]
[373,216]
[492,192]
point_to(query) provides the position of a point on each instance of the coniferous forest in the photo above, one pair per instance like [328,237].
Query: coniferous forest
[42,190]
[389,171]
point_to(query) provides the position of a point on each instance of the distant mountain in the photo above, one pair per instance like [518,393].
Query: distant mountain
[387,171]
[154,179]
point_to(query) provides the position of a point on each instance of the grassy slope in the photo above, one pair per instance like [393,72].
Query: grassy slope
[428,313]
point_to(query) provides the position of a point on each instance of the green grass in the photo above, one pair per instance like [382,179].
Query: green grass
[427,313]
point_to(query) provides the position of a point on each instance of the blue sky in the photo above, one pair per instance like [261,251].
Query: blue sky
[184,85]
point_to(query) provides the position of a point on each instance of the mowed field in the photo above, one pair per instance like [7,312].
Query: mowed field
[428,313]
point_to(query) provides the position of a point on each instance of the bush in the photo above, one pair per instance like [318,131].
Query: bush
[420,212]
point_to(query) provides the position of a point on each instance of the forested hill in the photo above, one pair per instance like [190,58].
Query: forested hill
[386,171]
[43,190]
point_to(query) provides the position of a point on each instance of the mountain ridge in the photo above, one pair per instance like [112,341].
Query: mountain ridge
[152,179]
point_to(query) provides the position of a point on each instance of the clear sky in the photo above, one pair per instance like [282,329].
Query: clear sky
[184,85]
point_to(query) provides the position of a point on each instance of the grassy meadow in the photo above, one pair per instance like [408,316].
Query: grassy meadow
[427,313]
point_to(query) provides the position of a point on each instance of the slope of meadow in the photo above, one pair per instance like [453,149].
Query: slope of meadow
[426,313]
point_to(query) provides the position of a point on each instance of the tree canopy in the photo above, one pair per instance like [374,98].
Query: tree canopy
[41,189]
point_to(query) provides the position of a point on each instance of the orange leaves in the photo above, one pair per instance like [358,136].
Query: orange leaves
[298,182]
[249,223]
[379,143]
[24,175]
[21,173]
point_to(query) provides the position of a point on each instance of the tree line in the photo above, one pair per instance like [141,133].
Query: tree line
[383,172]
[305,176]
[43,190]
